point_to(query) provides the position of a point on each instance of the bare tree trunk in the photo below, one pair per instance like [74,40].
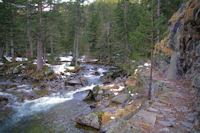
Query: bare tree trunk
[158,13]
[108,42]
[39,45]
[31,47]
[51,39]
[74,46]
[77,43]
[152,44]
[7,48]
[11,43]
[126,31]
[28,53]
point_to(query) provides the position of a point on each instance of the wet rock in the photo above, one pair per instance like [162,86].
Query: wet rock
[84,95]
[84,81]
[97,73]
[120,99]
[3,100]
[91,120]
[74,82]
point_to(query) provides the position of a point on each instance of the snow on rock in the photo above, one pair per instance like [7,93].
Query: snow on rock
[66,59]
[147,64]
[119,89]
[8,58]
[20,59]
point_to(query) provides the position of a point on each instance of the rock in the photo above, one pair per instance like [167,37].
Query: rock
[3,100]
[152,109]
[120,99]
[187,124]
[84,81]
[91,120]
[144,116]
[84,95]
[196,81]
[166,123]
[119,126]
[97,73]
[74,82]
[17,70]
[48,72]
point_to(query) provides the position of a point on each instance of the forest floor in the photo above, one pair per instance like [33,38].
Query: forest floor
[171,111]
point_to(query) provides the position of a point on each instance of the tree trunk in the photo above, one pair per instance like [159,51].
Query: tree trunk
[31,47]
[126,32]
[7,48]
[158,14]
[152,44]
[28,51]
[39,45]
[77,43]
[51,39]
[11,43]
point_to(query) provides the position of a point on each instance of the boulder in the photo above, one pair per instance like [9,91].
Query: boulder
[196,81]
[120,99]
[84,95]
[92,120]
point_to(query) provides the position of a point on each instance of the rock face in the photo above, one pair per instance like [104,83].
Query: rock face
[120,99]
[182,46]
[91,120]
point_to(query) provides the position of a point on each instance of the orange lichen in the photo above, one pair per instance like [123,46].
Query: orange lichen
[109,87]
[162,46]
[173,19]
[188,12]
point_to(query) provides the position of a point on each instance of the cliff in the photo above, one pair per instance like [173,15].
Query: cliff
[178,54]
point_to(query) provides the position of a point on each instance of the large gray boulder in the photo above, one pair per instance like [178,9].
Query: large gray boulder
[92,120]
[120,99]
[196,81]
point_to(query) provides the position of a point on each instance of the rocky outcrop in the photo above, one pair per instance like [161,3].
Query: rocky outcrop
[181,49]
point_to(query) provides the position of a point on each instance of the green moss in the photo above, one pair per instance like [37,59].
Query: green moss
[99,114]
[87,128]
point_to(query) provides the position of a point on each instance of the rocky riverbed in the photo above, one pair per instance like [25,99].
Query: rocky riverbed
[95,98]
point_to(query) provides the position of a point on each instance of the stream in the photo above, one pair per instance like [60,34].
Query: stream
[52,113]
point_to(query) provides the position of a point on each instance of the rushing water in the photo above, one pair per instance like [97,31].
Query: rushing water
[27,115]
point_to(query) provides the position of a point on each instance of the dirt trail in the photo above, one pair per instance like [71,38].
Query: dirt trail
[171,111]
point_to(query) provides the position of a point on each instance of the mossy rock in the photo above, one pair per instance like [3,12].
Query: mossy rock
[47,71]
[99,114]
